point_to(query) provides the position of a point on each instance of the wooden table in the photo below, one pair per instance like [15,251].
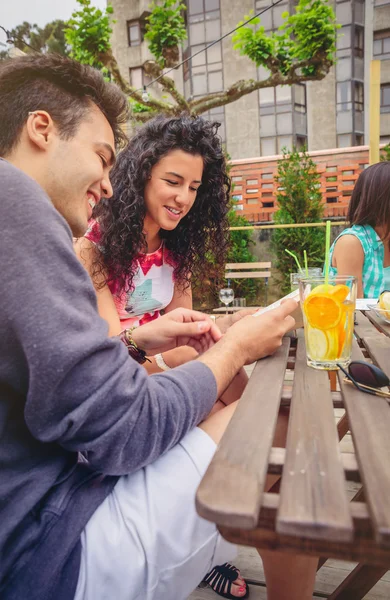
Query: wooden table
[311,514]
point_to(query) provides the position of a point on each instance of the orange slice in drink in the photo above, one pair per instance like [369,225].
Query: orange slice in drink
[322,311]
[340,292]
[333,341]
[342,336]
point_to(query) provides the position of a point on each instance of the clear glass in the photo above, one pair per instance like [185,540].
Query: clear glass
[311,272]
[226,296]
[328,317]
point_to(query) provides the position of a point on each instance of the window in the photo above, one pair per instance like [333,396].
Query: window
[344,69]
[385,98]
[301,142]
[359,11]
[204,71]
[271,19]
[268,146]
[344,41]
[358,95]
[267,125]
[358,41]
[344,13]
[284,123]
[284,142]
[138,78]
[344,100]
[382,44]
[344,140]
[134,33]
[300,98]
[195,7]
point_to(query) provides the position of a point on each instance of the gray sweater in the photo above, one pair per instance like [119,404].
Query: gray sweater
[67,390]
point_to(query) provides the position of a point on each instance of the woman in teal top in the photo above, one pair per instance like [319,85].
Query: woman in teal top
[363,249]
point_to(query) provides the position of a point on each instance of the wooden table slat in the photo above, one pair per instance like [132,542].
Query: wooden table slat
[378,347]
[278,456]
[369,419]
[232,488]
[313,499]
[363,326]
[378,322]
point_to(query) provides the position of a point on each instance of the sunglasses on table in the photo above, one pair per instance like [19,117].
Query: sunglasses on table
[366,378]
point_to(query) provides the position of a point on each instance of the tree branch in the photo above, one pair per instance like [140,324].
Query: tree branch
[110,62]
[167,83]
[143,117]
[244,87]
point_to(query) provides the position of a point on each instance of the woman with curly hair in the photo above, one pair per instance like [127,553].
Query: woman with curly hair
[167,220]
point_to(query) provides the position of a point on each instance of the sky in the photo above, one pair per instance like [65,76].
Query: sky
[14,12]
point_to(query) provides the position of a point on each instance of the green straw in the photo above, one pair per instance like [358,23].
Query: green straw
[295,258]
[327,248]
[306,267]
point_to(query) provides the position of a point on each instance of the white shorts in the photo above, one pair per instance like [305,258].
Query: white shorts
[146,541]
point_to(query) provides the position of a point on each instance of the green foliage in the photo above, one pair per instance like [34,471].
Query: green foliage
[137,107]
[50,38]
[300,201]
[165,28]
[88,33]
[308,35]
[385,153]
[239,251]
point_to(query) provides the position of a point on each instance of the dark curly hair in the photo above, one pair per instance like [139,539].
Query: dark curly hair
[199,243]
[370,200]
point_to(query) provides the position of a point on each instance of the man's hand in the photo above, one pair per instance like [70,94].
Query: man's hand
[180,327]
[261,336]
[227,321]
[247,340]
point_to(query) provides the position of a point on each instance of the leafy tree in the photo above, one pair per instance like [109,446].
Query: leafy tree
[385,153]
[240,251]
[165,31]
[300,201]
[303,49]
[29,37]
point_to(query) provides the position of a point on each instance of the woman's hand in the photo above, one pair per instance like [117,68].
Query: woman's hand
[179,327]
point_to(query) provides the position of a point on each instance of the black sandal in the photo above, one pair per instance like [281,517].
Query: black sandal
[222,575]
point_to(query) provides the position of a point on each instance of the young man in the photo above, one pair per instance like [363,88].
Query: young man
[99,462]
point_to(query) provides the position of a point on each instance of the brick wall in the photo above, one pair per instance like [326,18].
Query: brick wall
[255,187]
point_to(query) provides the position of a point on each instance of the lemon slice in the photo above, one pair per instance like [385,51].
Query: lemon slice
[384,300]
[321,289]
[339,292]
[317,342]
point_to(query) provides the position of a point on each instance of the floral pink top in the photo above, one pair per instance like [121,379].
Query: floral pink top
[152,287]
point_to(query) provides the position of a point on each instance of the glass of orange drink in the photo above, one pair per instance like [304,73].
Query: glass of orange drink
[328,316]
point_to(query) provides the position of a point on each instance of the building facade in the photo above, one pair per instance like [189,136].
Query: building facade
[332,113]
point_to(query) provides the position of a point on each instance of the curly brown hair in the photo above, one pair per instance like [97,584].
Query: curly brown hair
[200,241]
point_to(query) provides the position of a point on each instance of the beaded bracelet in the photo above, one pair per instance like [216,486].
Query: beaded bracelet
[132,348]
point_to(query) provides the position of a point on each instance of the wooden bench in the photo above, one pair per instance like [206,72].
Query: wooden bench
[250,271]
